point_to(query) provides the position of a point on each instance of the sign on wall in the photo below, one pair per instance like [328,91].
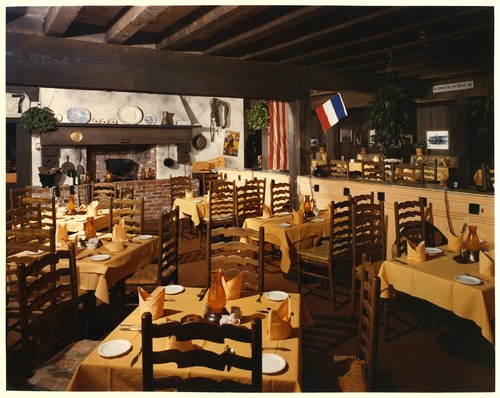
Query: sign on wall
[441,88]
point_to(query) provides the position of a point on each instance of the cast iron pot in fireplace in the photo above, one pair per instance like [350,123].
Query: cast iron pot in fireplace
[122,168]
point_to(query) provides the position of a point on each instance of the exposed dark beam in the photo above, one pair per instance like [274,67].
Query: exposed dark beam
[210,22]
[58,19]
[54,62]
[265,30]
[316,35]
[130,23]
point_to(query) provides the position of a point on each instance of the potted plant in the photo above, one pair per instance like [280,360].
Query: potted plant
[390,116]
[258,115]
[421,148]
[41,119]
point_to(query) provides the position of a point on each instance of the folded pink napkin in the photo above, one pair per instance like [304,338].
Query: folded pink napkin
[150,303]
[487,263]
[233,287]
[279,326]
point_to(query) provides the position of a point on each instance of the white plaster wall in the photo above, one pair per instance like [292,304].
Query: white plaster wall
[105,105]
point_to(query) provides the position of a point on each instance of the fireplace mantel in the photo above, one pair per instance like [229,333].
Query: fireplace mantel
[116,134]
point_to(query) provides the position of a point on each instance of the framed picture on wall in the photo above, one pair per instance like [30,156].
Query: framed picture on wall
[438,139]
[345,135]
[372,137]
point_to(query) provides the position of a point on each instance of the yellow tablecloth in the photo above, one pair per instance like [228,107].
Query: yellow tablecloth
[76,223]
[289,239]
[197,208]
[104,374]
[434,281]
[101,275]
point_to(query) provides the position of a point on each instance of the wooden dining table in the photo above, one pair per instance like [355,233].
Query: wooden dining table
[281,231]
[196,208]
[77,222]
[100,269]
[97,373]
[434,280]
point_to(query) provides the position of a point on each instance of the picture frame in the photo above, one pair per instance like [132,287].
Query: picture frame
[345,135]
[314,142]
[372,138]
[438,139]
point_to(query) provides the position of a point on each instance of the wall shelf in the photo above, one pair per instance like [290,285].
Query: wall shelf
[117,134]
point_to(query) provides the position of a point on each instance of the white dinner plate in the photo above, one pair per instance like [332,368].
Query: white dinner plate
[78,115]
[282,213]
[196,200]
[468,280]
[174,289]
[33,252]
[145,237]
[276,295]
[114,348]
[129,114]
[150,119]
[284,225]
[272,363]
[100,257]
[80,219]
[433,250]
[317,219]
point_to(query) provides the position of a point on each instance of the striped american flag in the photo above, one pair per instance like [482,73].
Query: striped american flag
[278,151]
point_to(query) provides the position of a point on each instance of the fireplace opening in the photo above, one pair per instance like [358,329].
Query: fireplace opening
[124,162]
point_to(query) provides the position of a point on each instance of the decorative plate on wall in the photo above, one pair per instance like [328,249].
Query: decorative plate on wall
[150,119]
[78,115]
[76,136]
[129,114]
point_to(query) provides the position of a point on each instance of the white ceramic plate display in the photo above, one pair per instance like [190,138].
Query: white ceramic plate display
[272,363]
[150,119]
[145,237]
[284,225]
[468,280]
[433,250]
[174,289]
[129,114]
[100,257]
[276,295]
[114,348]
[30,252]
[317,219]
[78,115]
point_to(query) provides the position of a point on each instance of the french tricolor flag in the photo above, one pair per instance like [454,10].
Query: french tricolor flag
[331,112]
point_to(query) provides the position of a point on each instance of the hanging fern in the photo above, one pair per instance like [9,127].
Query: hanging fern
[40,119]
[258,115]
[390,116]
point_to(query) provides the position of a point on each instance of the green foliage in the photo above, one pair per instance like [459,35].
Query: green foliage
[390,116]
[258,115]
[40,119]
[421,144]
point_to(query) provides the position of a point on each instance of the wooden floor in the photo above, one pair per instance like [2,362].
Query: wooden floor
[420,357]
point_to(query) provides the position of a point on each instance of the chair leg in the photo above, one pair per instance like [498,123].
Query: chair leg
[385,308]
[331,288]
[353,293]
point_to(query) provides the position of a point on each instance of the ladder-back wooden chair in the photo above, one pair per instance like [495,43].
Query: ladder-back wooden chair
[178,187]
[132,213]
[216,359]
[280,197]
[17,194]
[339,168]
[237,250]
[248,202]
[371,170]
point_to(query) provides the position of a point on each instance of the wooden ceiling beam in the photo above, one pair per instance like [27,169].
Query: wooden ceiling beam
[208,23]
[366,40]
[58,20]
[265,30]
[319,34]
[130,23]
